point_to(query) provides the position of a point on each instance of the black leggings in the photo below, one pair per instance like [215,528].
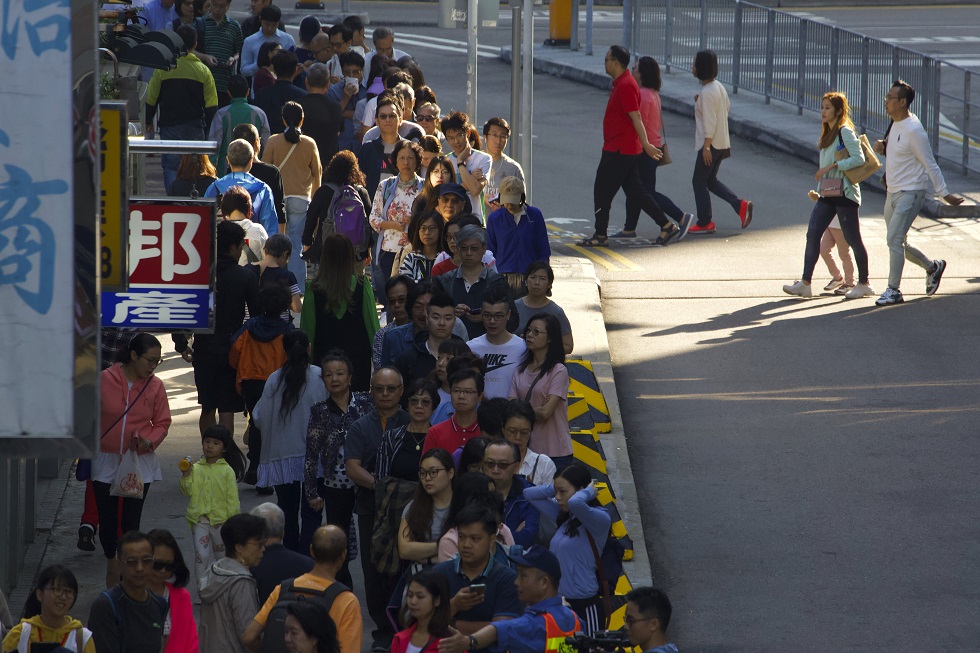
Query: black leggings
[820,218]
[108,506]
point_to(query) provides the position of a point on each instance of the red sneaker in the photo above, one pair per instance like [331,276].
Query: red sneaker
[745,213]
[706,229]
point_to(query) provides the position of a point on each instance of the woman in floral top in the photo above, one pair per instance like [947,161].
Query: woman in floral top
[391,211]
[325,481]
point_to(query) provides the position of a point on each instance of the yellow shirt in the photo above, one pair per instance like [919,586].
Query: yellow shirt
[42,633]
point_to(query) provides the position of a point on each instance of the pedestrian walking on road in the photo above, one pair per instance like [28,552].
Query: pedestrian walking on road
[840,150]
[910,169]
[624,140]
[646,72]
[834,237]
[713,144]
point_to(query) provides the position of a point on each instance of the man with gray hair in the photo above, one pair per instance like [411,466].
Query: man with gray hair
[240,157]
[278,563]
[468,283]
[323,118]
[384,43]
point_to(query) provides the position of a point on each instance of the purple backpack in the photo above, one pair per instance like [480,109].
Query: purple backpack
[347,213]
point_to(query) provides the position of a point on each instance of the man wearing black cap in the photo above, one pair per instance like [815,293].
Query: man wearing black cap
[452,200]
[545,623]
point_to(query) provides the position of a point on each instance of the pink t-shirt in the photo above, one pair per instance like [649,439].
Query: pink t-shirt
[650,114]
[550,437]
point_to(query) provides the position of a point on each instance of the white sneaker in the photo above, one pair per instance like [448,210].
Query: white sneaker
[800,289]
[860,290]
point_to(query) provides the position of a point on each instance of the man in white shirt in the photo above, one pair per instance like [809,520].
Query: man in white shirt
[269,17]
[501,350]
[472,166]
[384,43]
[496,133]
[356,26]
[910,171]
[340,37]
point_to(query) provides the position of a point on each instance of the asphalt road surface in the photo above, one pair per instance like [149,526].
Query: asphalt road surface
[807,468]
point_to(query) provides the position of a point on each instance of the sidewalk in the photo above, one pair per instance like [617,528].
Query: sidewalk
[774,125]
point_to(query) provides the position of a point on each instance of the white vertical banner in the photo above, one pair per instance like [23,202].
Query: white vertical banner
[37,227]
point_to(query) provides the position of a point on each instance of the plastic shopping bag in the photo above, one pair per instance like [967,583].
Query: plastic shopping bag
[129,479]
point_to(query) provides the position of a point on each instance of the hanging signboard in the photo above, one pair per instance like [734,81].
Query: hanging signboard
[113,156]
[171,268]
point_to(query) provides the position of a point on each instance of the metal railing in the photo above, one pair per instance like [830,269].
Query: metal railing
[796,60]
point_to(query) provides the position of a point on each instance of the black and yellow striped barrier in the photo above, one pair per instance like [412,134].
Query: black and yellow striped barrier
[588,416]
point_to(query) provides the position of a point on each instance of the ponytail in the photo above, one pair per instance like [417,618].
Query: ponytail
[292,117]
[292,377]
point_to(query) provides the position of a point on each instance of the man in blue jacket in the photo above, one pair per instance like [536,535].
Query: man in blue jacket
[516,234]
[501,460]
[240,157]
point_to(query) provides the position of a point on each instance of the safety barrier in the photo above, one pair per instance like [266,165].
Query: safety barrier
[796,60]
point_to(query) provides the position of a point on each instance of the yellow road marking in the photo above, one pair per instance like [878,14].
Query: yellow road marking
[609,265]
[619,257]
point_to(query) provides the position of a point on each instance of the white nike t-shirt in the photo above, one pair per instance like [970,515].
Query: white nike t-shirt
[501,362]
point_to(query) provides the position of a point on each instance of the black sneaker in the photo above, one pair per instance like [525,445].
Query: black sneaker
[86,538]
[667,234]
[933,278]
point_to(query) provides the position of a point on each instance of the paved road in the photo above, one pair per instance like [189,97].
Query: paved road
[806,468]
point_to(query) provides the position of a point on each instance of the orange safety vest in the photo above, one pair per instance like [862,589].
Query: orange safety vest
[554,637]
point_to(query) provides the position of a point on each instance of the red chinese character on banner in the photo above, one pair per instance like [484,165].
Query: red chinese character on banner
[169,244]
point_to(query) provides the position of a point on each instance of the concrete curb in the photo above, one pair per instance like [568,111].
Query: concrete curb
[577,291]
[787,142]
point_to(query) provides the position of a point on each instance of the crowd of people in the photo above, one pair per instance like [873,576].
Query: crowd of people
[434,449]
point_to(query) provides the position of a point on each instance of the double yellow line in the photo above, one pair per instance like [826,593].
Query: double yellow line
[593,253]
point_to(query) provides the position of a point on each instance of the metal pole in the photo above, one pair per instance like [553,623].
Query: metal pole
[588,27]
[515,81]
[527,85]
[627,26]
[345,7]
[472,24]
[573,41]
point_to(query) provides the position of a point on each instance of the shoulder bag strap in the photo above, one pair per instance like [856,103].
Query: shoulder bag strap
[288,154]
[604,587]
[118,419]
[527,395]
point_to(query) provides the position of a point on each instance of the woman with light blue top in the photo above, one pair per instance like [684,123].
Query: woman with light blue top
[283,413]
[570,502]
[837,136]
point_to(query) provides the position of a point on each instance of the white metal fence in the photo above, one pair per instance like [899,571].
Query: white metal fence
[795,60]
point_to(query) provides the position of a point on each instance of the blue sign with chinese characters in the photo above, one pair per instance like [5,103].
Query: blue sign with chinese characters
[157,308]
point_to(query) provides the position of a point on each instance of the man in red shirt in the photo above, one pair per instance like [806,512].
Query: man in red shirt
[624,140]
[466,391]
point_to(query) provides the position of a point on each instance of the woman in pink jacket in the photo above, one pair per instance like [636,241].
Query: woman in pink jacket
[135,416]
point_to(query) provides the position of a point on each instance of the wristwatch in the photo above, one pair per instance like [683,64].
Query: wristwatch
[473,645]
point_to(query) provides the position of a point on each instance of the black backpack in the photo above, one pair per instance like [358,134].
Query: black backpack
[275,625]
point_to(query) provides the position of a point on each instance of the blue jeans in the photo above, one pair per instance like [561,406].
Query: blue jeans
[901,208]
[186,131]
[820,218]
[296,208]
[648,175]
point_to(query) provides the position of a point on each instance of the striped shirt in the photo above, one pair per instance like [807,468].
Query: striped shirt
[223,41]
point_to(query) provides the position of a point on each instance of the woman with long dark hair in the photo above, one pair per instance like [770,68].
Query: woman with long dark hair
[439,171]
[416,259]
[426,616]
[837,135]
[341,171]
[135,417]
[326,484]
[542,380]
[265,75]
[424,517]
[169,580]
[646,72]
[283,414]
[298,159]
[713,145]
[571,502]
[45,617]
[339,310]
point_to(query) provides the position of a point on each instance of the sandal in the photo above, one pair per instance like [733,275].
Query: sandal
[667,234]
[594,241]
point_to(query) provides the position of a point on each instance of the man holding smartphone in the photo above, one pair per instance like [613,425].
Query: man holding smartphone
[483,590]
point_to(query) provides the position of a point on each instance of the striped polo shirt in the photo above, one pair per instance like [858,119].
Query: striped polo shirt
[222,40]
